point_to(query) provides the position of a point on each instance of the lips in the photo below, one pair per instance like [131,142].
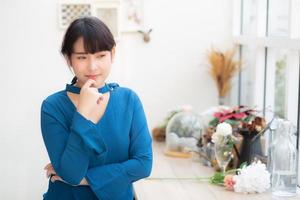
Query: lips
[94,77]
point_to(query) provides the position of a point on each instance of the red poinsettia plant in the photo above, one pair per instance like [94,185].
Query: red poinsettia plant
[239,117]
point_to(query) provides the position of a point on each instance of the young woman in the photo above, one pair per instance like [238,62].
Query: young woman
[95,133]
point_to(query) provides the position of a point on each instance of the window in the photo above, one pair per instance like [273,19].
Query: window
[268,33]
[278,22]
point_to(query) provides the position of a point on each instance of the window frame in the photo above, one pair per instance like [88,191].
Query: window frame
[263,45]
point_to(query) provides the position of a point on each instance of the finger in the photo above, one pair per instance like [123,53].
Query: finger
[89,83]
[50,172]
[55,178]
[50,168]
[47,166]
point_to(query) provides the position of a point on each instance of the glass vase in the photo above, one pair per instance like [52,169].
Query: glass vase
[284,161]
[223,153]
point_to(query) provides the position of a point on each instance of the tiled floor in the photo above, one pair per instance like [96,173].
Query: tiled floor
[168,167]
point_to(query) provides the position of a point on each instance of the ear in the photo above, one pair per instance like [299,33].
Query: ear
[113,52]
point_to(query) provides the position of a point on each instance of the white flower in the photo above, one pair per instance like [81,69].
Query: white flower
[224,129]
[252,179]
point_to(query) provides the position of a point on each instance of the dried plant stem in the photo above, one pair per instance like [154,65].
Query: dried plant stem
[222,68]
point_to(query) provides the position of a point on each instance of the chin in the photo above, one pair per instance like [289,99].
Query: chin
[100,83]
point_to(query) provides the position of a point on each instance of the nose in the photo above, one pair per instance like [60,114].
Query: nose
[93,65]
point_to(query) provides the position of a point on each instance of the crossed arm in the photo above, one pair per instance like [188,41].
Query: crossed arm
[69,152]
[50,173]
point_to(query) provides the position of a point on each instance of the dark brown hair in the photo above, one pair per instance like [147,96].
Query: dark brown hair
[96,37]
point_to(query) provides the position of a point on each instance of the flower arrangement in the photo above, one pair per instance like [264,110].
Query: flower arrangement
[239,117]
[253,178]
[247,127]
[222,68]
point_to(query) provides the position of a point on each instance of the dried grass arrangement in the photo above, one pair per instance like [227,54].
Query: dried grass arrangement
[222,68]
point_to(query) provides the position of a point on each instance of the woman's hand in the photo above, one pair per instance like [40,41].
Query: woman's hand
[89,100]
[50,172]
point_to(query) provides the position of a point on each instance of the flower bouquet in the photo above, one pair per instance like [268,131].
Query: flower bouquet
[253,178]
[248,127]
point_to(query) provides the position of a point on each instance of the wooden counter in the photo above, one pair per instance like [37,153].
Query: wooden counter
[168,167]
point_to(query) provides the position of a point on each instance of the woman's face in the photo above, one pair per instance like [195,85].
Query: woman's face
[90,66]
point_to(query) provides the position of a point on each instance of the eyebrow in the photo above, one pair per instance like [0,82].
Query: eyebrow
[80,53]
[84,53]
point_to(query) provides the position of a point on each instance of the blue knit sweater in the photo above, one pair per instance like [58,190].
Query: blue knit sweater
[111,154]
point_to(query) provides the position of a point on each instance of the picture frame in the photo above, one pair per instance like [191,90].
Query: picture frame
[109,12]
[106,10]
[69,10]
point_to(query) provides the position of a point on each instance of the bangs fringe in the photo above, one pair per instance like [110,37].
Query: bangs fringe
[96,40]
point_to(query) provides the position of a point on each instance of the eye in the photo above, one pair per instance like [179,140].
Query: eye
[81,57]
[100,55]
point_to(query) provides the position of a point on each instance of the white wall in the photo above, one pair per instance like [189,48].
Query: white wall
[167,72]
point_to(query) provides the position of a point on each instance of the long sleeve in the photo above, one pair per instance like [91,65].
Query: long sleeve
[69,148]
[109,182]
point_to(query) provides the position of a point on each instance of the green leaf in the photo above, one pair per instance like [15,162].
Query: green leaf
[232,122]
[214,122]
[249,118]
[217,178]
